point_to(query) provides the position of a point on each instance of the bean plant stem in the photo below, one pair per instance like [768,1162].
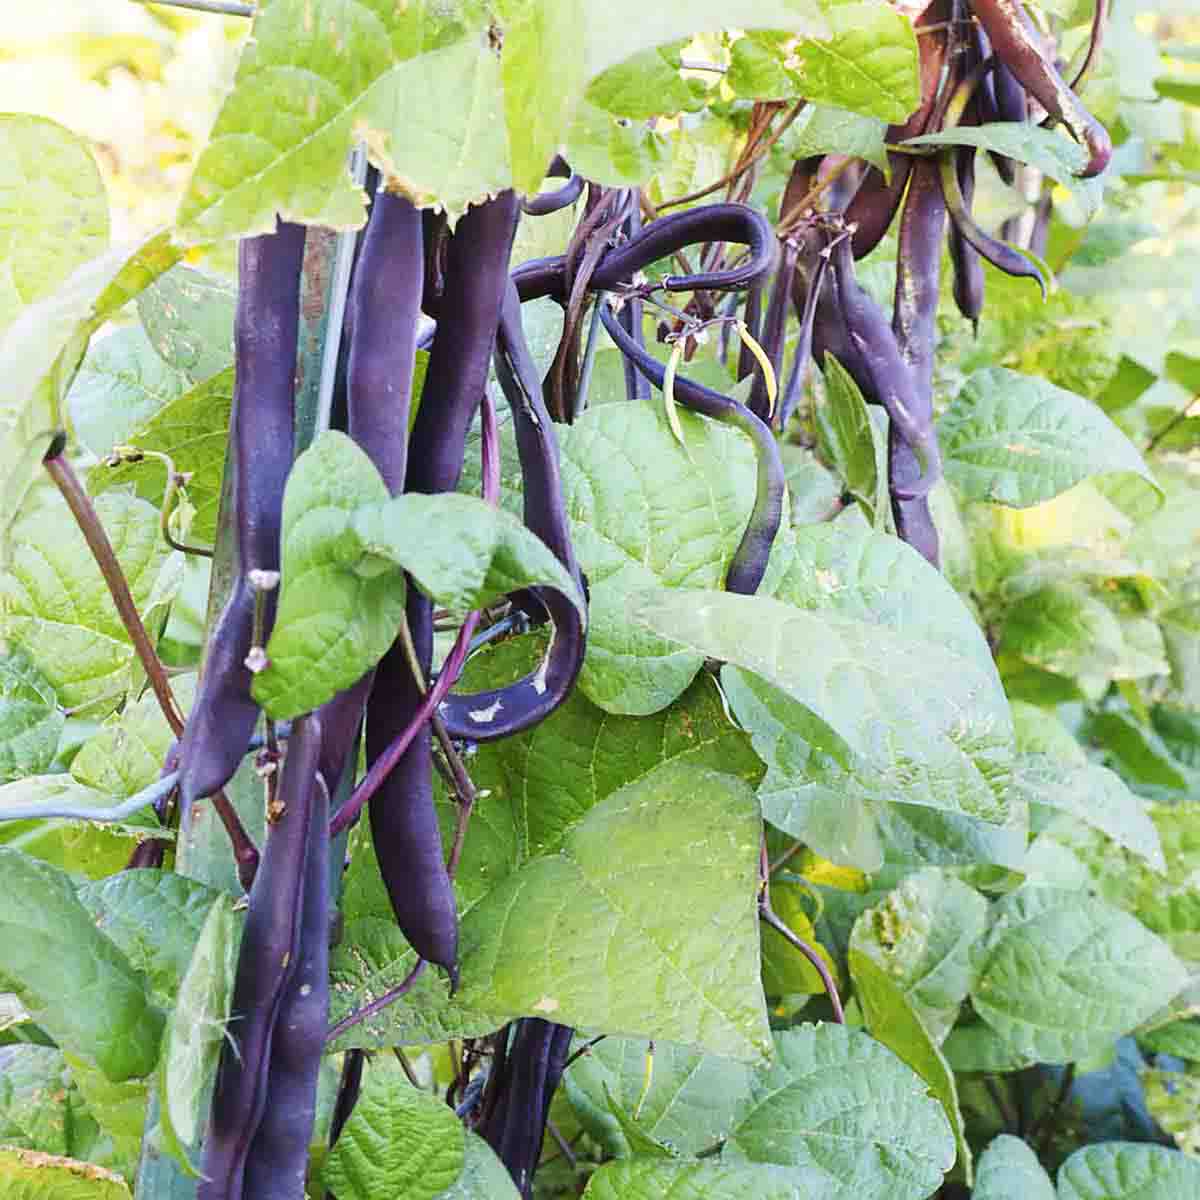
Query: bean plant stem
[367,1011]
[60,470]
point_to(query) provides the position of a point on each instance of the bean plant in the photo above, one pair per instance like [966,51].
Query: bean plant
[645,642]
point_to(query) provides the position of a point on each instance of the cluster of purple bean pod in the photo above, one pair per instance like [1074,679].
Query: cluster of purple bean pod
[412,265]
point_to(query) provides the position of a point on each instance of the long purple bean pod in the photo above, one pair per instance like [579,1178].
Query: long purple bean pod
[806,307]
[964,258]
[261,446]
[914,322]
[1015,43]
[774,328]
[278,1158]
[636,387]
[749,561]
[267,962]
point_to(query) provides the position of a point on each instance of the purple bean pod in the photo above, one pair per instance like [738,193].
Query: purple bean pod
[267,962]
[749,561]
[964,258]
[545,203]
[636,387]
[806,292]
[260,455]
[774,329]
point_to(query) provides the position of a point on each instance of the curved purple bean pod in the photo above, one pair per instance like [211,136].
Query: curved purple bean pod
[749,561]
[807,311]
[260,454]
[1007,25]
[914,322]
[968,269]
[278,1158]
[774,329]
[710,223]
[998,253]
[545,203]
[267,963]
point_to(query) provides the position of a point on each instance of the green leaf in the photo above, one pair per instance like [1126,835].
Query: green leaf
[398,1142]
[1009,1170]
[921,934]
[854,705]
[645,512]
[689,1105]
[54,211]
[1128,1171]
[1094,795]
[660,1179]
[848,439]
[757,71]
[119,1110]
[648,84]
[196,1029]
[824,129]
[39,1107]
[978,1048]
[483,1177]
[587,937]
[122,383]
[1186,90]
[41,351]
[301,96]
[868,65]
[1136,749]
[193,430]
[1046,149]
[1180,1038]
[72,634]
[891,1019]
[787,972]
[155,918]
[188,318]
[72,979]
[30,720]
[345,550]
[641,1143]
[846,1117]
[1017,440]
[1061,974]
[31,1175]
[1173,1100]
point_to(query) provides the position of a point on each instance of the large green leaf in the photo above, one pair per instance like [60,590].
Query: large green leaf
[1009,1170]
[192,430]
[1128,1171]
[41,351]
[660,1179]
[1061,974]
[345,550]
[72,979]
[1094,795]
[689,1105]
[54,602]
[1018,440]
[846,1117]
[398,1142]
[31,1175]
[188,317]
[53,211]
[196,1029]
[155,918]
[610,934]
[483,1175]
[647,511]
[30,719]
[837,704]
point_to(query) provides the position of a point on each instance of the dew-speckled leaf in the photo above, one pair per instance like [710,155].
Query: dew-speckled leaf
[33,1175]
[847,1118]
[345,550]
[890,715]
[122,383]
[53,210]
[1061,974]
[646,511]
[868,65]
[1092,794]
[196,1027]
[155,918]
[610,934]
[1128,1171]
[319,74]
[921,934]
[73,634]
[42,349]
[398,1142]
[1009,1170]
[30,720]
[192,429]
[188,318]
[690,1103]
[71,978]
[1018,440]
[661,1179]
[1052,153]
